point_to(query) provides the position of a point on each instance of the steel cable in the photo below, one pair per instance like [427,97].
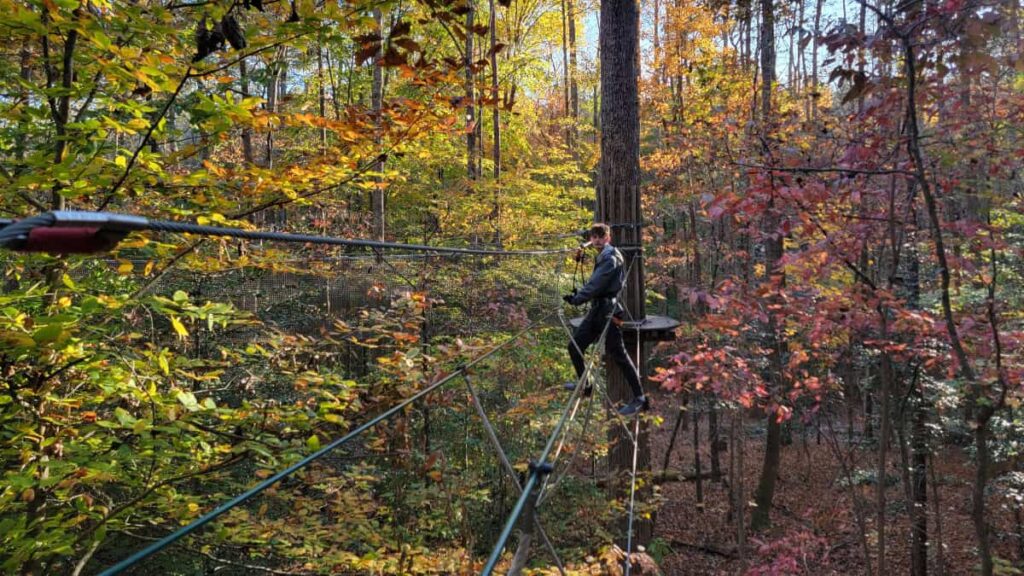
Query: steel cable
[265,484]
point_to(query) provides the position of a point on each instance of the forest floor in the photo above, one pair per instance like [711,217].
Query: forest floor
[814,529]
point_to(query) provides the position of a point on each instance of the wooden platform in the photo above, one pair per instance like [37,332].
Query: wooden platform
[653,328]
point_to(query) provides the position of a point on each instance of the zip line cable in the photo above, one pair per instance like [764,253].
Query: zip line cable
[265,484]
[70,231]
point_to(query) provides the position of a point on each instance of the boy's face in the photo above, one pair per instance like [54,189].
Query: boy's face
[598,242]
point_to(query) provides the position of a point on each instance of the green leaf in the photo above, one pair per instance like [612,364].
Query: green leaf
[49,333]
[313,443]
[188,400]
[124,417]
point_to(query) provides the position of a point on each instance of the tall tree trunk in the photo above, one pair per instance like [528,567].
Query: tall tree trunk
[619,203]
[471,163]
[243,76]
[815,95]
[886,379]
[919,487]
[496,128]
[657,42]
[861,63]
[697,468]
[714,437]
[377,103]
[60,106]
[981,409]
[919,443]
[321,96]
[565,77]
[574,93]
[25,73]
[333,81]
[940,543]
[761,517]
[273,96]
[767,49]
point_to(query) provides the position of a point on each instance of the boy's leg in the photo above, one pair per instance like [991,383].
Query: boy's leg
[582,337]
[616,349]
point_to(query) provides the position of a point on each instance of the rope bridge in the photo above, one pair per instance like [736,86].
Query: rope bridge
[66,232]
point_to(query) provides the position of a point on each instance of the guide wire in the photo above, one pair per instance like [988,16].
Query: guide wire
[267,483]
[21,235]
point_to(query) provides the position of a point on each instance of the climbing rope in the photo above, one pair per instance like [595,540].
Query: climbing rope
[635,437]
[632,499]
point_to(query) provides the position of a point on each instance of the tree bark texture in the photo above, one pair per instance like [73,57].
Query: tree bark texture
[377,103]
[471,163]
[618,201]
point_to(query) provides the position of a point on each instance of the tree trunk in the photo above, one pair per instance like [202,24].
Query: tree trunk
[243,76]
[981,528]
[767,48]
[565,77]
[761,517]
[25,73]
[715,440]
[470,96]
[273,95]
[860,69]
[496,128]
[618,202]
[377,103]
[696,462]
[321,96]
[574,93]
[940,544]
[886,376]
[919,487]
[919,444]
[815,95]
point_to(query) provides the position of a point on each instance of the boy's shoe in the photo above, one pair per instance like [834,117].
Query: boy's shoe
[639,403]
[587,390]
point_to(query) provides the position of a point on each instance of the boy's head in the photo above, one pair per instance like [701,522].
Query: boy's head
[600,234]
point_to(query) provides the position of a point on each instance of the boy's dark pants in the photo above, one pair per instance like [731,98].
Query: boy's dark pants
[589,331]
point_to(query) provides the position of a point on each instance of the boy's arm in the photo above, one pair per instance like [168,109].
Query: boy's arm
[599,280]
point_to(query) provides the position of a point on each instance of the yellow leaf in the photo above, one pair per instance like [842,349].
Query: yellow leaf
[125,268]
[179,327]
